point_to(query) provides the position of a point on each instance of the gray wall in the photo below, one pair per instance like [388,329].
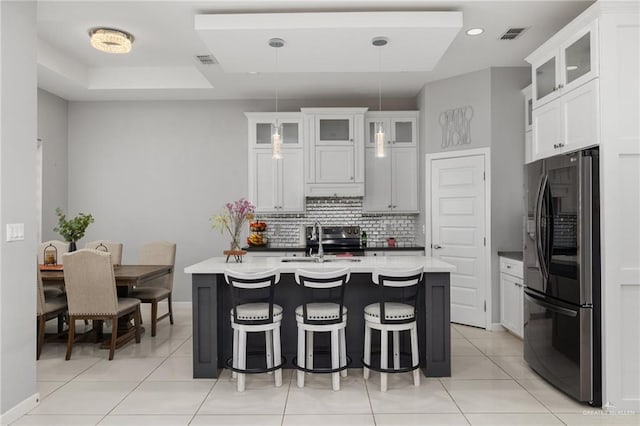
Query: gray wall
[507,166]
[52,130]
[159,170]
[17,203]
[498,123]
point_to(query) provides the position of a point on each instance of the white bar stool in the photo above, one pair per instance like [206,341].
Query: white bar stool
[322,310]
[394,312]
[253,311]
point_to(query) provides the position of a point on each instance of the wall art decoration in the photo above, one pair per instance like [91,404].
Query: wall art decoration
[456,126]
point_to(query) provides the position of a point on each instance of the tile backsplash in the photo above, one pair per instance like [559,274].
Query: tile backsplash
[287,229]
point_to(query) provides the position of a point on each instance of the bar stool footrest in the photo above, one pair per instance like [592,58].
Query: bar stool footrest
[229,364]
[321,370]
[391,370]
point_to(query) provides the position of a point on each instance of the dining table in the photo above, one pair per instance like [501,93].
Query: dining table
[126,277]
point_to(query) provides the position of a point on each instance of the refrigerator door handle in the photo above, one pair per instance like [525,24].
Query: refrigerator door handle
[550,306]
[542,261]
[585,226]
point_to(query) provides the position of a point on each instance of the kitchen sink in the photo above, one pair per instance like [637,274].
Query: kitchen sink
[300,259]
[317,260]
[343,259]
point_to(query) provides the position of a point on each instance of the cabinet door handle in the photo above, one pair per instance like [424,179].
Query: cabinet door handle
[560,86]
[389,206]
[436,246]
[508,266]
[351,178]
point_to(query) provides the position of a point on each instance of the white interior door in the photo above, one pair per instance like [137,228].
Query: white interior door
[458,209]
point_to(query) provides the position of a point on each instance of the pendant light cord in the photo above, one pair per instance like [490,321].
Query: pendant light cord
[379,79]
[276,80]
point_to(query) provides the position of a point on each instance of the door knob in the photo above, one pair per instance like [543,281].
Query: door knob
[436,246]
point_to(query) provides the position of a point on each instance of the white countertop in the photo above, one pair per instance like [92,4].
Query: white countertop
[366,264]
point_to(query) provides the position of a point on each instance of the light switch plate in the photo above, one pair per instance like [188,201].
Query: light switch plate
[15,232]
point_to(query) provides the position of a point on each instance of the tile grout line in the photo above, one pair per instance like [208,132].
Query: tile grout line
[454,401]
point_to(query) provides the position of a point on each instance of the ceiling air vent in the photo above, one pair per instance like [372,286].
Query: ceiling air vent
[512,33]
[207,59]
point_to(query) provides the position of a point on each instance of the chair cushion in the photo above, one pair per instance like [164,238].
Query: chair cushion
[125,303]
[257,311]
[392,311]
[148,293]
[321,311]
[53,304]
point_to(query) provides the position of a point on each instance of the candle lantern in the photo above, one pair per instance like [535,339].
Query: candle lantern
[50,255]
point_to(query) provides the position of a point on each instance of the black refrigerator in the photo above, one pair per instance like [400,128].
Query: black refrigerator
[562,298]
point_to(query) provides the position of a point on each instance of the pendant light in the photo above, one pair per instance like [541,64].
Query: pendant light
[379,135]
[276,128]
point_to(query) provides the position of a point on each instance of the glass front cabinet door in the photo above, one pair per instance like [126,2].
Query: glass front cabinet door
[563,69]
[334,130]
[260,128]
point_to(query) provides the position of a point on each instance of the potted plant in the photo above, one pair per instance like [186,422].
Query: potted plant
[72,230]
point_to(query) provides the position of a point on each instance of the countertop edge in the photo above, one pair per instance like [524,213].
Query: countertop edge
[366,264]
[513,255]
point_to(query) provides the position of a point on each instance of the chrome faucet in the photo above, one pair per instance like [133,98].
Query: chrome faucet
[319,236]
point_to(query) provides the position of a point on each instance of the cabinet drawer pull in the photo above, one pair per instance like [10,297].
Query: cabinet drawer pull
[560,86]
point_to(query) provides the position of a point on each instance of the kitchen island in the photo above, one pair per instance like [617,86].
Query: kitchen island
[211,306]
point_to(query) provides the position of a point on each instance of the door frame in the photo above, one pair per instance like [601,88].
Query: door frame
[486,152]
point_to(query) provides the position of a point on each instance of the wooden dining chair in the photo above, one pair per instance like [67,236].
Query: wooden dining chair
[108,246]
[157,253]
[91,294]
[48,308]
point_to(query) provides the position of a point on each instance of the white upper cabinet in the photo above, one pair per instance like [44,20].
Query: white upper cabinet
[276,185]
[571,64]
[391,182]
[568,123]
[566,90]
[528,124]
[334,151]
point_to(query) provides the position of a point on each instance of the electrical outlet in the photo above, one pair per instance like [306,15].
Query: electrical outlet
[15,232]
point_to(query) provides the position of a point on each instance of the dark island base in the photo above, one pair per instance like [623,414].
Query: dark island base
[212,328]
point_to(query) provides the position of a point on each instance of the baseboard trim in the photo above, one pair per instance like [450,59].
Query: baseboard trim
[496,326]
[20,409]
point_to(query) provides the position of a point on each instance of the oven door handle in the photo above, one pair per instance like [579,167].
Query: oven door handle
[553,308]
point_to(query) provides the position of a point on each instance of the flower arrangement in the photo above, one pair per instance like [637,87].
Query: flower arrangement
[233,217]
[72,230]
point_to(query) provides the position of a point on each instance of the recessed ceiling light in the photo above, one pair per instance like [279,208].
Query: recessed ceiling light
[110,40]
[475,31]
[572,67]
[252,72]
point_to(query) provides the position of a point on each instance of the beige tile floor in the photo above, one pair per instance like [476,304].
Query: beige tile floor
[151,384]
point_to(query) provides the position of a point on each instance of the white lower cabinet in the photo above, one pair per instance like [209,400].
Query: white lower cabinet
[511,296]
[277,186]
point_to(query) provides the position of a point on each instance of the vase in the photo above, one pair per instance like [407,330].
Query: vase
[235,242]
[72,246]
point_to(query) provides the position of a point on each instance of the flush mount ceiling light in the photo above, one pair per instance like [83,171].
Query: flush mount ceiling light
[379,42]
[276,128]
[110,40]
[475,31]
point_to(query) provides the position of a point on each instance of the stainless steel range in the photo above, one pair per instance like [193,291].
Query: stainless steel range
[335,240]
